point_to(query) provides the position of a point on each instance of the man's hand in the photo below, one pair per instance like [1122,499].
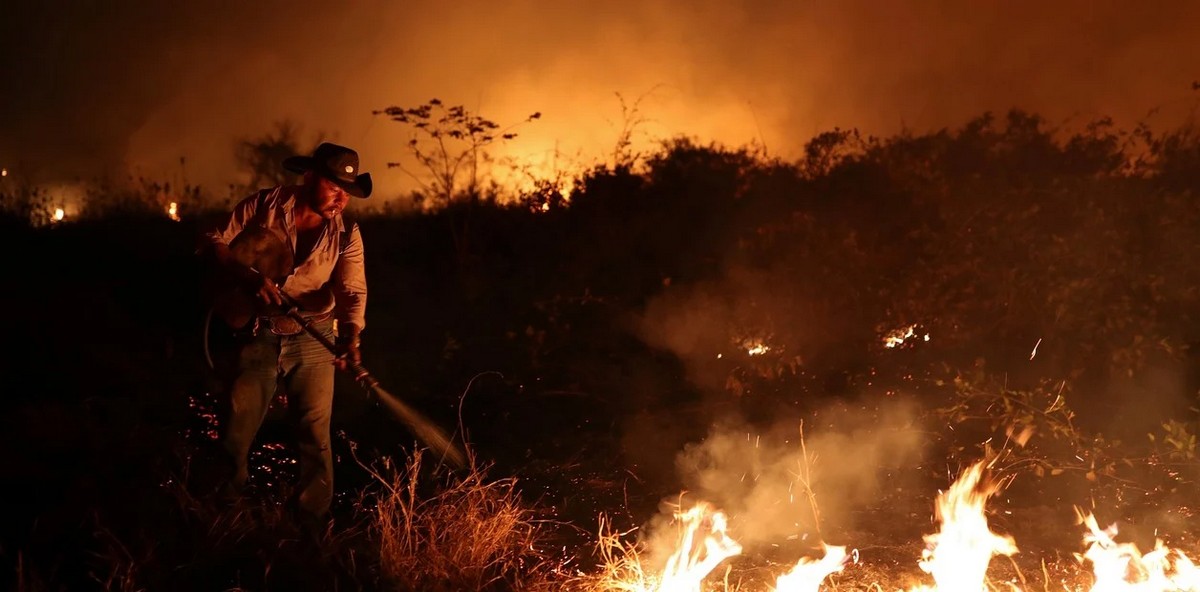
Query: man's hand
[347,346]
[258,286]
[262,288]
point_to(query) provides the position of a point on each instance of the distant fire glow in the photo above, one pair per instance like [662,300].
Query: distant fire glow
[898,337]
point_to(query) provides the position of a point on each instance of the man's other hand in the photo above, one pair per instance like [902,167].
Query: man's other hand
[348,348]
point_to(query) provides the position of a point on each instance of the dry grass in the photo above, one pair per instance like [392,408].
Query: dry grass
[463,534]
[620,565]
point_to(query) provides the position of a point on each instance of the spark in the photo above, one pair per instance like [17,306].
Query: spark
[3,172]
[1035,346]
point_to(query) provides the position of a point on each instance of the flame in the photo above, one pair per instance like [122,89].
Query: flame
[701,545]
[691,562]
[1121,567]
[957,557]
[173,211]
[809,573]
[58,215]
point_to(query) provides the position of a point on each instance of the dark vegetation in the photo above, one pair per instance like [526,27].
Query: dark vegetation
[574,332]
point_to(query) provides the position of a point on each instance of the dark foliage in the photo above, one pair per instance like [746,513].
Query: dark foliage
[613,303]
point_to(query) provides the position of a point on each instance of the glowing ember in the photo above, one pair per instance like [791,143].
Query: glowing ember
[3,172]
[758,349]
[809,573]
[957,557]
[754,346]
[173,211]
[898,337]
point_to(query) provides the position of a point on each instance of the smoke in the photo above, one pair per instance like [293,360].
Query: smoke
[694,324]
[777,480]
[793,484]
[133,87]
[756,320]
[791,480]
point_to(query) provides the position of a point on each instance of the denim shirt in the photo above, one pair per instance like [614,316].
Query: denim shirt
[331,278]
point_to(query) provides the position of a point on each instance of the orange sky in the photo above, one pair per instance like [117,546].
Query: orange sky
[94,88]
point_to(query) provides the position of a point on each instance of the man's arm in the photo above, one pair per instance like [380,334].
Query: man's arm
[349,284]
[217,241]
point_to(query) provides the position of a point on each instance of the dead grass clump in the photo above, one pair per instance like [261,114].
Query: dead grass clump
[467,534]
[620,565]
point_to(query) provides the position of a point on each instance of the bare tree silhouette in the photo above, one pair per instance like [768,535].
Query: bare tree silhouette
[262,156]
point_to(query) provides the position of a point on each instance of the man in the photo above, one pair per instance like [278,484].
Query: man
[321,270]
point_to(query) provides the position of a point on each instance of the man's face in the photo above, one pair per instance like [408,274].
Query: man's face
[328,199]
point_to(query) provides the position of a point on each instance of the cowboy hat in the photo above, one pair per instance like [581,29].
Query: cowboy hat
[336,163]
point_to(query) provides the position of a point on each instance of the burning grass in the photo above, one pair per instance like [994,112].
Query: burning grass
[701,544]
[957,558]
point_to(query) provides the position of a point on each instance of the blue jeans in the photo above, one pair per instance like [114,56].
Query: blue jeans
[304,369]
